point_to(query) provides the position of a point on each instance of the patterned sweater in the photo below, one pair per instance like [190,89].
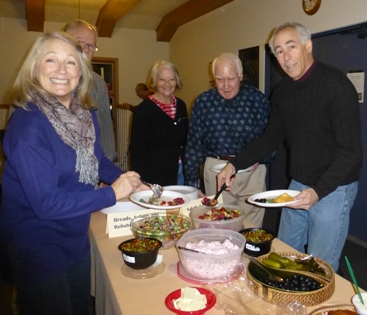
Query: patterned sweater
[223,127]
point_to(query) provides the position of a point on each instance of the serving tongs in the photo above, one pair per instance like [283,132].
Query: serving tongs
[271,276]
[285,272]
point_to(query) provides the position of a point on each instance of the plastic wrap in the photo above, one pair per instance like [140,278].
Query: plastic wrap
[236,298]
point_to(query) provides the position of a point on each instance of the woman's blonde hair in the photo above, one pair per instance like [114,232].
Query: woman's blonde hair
[155,70]
[26,83]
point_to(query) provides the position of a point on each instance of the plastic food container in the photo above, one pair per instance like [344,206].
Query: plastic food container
[167,228]
[235,224]
[255,249]
[360,308]
[211,266]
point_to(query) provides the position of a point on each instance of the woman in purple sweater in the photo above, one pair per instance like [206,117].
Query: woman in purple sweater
[54,163]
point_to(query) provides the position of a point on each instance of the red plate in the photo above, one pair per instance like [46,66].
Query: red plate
[210,302]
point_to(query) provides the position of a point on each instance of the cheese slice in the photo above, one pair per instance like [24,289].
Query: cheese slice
[191,300]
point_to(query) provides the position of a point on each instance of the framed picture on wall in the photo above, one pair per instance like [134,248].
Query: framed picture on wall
[357,78]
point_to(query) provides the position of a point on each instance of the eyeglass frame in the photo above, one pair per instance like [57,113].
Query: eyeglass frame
[90,46]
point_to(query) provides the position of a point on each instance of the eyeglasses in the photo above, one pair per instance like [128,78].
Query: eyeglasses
[90,46]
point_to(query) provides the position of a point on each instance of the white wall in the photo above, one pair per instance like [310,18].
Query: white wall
[237,25]
[136,50]
[244,24]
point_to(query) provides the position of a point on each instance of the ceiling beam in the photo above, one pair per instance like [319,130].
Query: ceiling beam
[183,14]
[110,13]
[35,13]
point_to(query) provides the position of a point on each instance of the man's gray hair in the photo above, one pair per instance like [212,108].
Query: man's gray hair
[229,56]
[304,32]
[76,24]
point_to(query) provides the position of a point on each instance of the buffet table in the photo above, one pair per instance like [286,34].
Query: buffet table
[116,294]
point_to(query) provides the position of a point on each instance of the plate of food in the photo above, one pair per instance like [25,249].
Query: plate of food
[274,198]
[217,168]
[168,200]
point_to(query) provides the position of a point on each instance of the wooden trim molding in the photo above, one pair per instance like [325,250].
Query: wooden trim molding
[35,12]
[111,12]
[184,14]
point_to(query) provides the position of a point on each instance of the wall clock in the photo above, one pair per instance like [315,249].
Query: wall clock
[311,6]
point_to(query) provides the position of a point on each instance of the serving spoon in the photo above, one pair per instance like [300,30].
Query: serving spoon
[214,201]
[189,249]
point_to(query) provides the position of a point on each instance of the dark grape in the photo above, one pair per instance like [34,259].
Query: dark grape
[262,200]
[296,283]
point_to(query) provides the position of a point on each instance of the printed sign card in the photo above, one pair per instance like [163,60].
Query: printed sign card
[120,215]
[196,203]
[118,223]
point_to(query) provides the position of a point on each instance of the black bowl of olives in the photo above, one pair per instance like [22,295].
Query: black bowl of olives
[140,253]
[258,241]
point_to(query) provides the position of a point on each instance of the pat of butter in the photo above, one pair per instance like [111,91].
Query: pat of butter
[191,300]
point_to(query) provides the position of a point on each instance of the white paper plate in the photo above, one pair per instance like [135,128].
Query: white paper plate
[191,192]
[122,206]
[166,196]
[217,168]
[272,194]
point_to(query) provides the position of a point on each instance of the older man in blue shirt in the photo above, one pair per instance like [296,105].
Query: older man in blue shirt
[224,121]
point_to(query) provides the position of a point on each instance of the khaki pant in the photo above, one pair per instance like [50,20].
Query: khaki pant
[245,185]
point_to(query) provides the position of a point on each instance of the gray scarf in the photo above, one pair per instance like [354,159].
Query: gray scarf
[75,127]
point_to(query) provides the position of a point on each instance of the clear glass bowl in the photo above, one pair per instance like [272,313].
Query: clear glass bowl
[168,228]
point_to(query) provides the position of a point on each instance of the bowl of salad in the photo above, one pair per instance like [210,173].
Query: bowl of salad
[221,216]
[258,241]
[166,227]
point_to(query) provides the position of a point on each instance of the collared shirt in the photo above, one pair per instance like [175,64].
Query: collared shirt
[102,101]
[223,127]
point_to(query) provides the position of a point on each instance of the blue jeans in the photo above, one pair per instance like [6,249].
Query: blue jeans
[323,228]
[180,175]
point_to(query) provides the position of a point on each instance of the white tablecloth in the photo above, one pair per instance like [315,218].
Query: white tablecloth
[116,294]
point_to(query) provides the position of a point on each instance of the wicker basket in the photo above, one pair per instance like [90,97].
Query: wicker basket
[311,298]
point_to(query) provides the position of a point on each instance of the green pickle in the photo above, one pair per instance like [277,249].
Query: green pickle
[294,267]
[284,260]
[274,260]
[272,263]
